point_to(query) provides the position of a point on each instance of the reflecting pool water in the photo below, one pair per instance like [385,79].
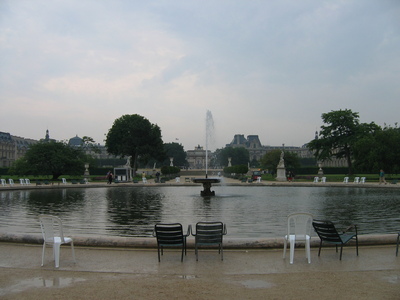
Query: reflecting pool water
[249,212]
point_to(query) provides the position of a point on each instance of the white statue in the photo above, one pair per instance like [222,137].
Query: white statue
[128,162]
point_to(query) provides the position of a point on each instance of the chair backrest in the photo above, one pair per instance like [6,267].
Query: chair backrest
[209,232]
[51,227]
[169,233]
[299,224]
[326,231]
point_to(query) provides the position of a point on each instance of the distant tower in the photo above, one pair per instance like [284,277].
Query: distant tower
[47,138]
[316,135]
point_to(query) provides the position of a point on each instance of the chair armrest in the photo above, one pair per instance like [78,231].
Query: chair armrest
[351,228]
[225,231]
[189,230]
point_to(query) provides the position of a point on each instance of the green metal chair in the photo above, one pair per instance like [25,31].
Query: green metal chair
[209,233]
[170,235]
[327,233]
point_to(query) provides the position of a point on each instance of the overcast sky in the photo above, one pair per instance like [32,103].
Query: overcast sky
[267,68]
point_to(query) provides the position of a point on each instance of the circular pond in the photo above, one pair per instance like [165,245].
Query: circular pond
[249,212]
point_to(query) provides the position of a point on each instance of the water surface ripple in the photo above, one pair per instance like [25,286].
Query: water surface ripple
[249,212]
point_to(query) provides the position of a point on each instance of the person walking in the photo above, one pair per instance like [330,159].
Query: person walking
[109,177]
[382,177]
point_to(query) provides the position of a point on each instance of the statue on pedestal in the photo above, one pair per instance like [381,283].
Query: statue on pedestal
[281,171]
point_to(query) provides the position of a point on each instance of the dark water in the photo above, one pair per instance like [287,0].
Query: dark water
[249,212]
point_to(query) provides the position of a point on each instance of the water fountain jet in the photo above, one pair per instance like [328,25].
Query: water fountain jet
[207,181]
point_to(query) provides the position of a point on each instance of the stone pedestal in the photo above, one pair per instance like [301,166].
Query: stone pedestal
[281,174]
[280,170]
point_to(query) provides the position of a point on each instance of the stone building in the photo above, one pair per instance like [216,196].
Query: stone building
[12,148]
[197,158]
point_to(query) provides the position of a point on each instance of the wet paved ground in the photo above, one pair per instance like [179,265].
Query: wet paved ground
[251,270]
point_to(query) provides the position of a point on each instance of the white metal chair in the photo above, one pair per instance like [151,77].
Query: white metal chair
[362,180]
[259,179]
[323,179]
[298,229]
[11,182]
[356,179]
[346,180]
[53,234]
[21,181]
[27,181]
[64,181]
[316,179]
[177,179]
[3,182]
[144,179]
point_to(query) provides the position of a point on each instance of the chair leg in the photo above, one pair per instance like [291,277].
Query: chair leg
[357,244]
[284,247]
[56,250]
[197,252]
[183,251]
[308,252]
[292,244]
[73,251]
[158,252]
[320,245]
[341,250]
[397,244]
[43,250]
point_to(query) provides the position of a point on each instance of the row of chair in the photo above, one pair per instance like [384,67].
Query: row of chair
[171,234]
[299,229]
[356,180]
[207,233]
[211,233]
[345,180]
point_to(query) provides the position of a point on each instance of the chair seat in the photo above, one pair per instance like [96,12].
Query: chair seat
[57,240]
[299,237]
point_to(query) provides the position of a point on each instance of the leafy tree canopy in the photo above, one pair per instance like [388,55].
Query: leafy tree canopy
[270,160]
[50,157]
[338,136]
[379,151]
[238,155]
[135,136]
[176,151]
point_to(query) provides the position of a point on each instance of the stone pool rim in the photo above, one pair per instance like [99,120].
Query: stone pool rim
[229,243]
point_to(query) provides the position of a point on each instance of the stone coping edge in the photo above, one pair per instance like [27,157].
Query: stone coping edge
[229,243]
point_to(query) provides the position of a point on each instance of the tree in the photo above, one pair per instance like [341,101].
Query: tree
[379,151]
[270,160]
[337,138]
[176,151]
[50,157]
[134,136]
[239,156]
